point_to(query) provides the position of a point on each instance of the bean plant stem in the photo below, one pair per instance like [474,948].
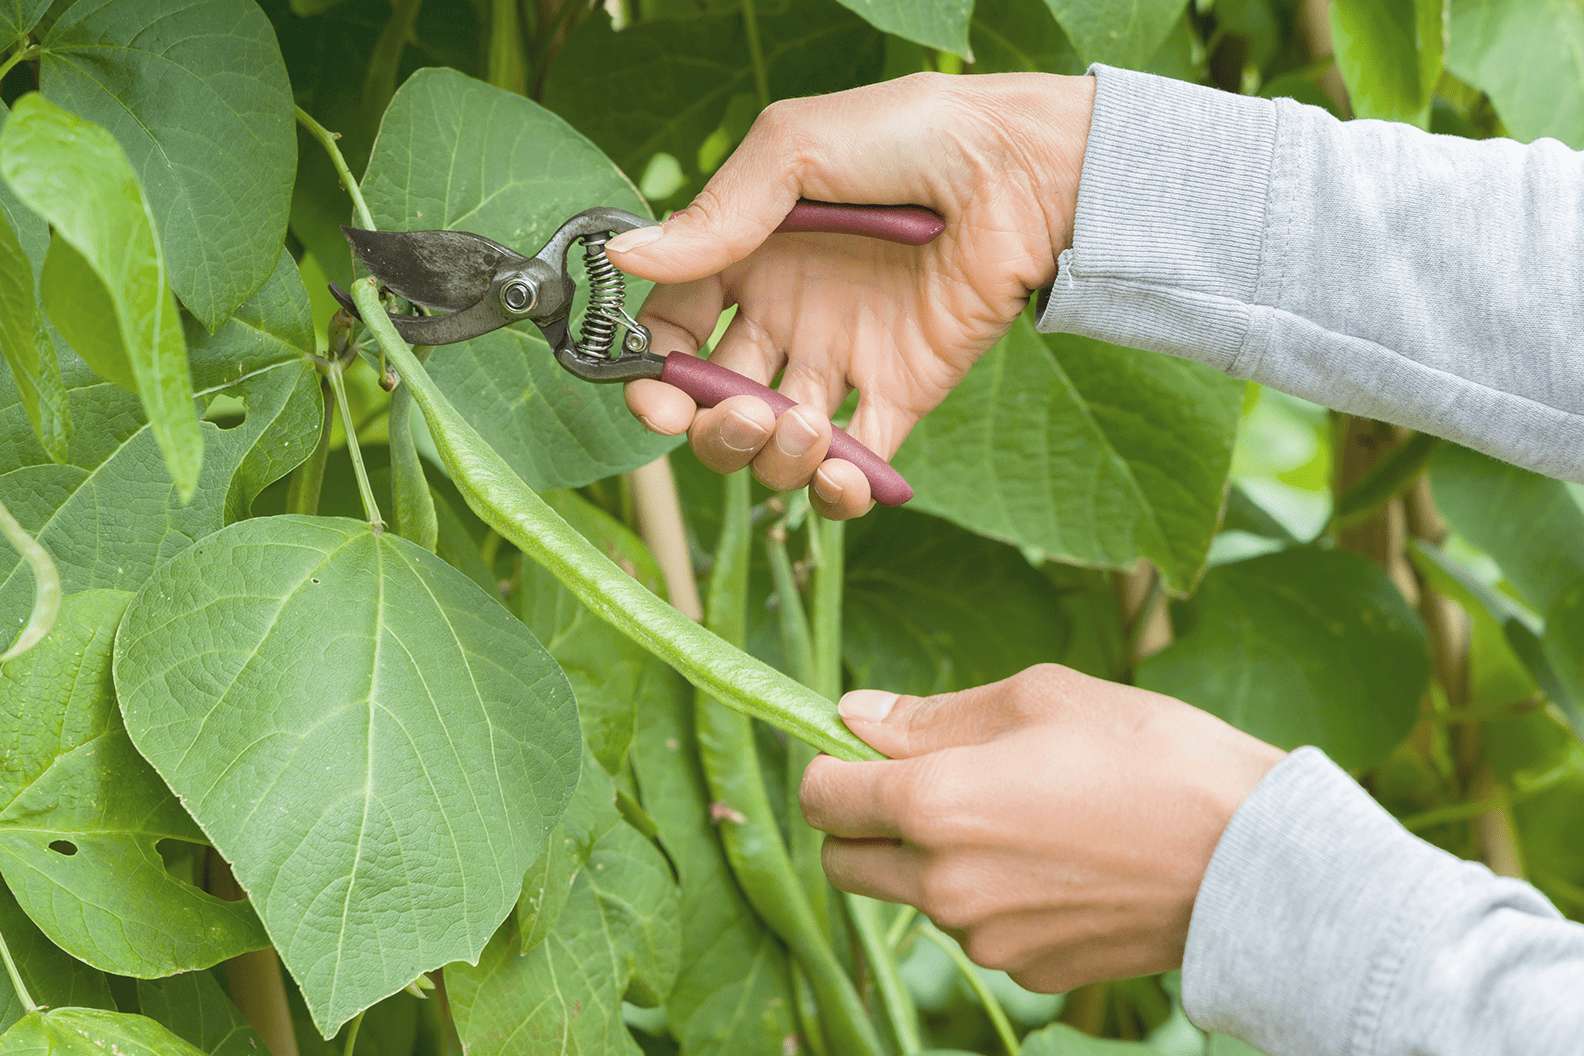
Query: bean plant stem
[756,53]
[352,1033]
[366,493]
[494,491]
[16,978]
[327,139]
[20,55]
[46,585]
[992,1007]
[307,481]
[901,925]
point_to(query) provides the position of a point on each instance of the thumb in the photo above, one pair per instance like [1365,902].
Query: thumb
[902,727]
[743,203]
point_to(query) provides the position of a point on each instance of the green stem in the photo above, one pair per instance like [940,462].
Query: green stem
[500,498]
[901,924]
[992,1007]
[46,585]
[307,482]
[352,1033]
[327,139]
[756,53]
[16,978]
[366,493]
[900,1012]
[748,830]
[20,55]
[414,503]
[508,65]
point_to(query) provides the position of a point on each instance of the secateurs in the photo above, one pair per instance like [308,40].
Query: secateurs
[481,285]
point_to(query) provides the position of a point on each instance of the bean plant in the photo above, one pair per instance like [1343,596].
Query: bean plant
[360,698]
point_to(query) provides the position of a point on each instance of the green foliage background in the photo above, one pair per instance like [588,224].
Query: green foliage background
[165,239]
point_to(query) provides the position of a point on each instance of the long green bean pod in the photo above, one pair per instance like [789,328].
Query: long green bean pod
[507,504]
[414,507]
[748,827]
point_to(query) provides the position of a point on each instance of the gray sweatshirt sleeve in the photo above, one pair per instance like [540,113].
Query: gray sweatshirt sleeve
[1429,281]
[1322,926]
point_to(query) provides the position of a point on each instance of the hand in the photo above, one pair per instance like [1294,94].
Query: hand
[997,156]
[1058,825]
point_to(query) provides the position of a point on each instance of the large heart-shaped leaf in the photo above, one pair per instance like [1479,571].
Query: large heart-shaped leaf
[1059,1039]
[84,815]
[108,524]
[91,1032]
[106,255]
[275,325]
[547,887]
[454,152]
[377,748]
[934,23]
[1525,54]
[1019,36]
[932,608]
[686,89]
[1389,53]
[1094,454]
[196,93]
[1304,646]
[19,16]
[1121,34]
[53,978]
[195,1008]
[733,993]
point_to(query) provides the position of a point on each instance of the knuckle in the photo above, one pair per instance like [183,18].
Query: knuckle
[948,893]
[835,863]
[989,950]
[932,806]
[814,792]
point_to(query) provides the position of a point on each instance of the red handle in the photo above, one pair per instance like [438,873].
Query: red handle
[709,384]
[911,225]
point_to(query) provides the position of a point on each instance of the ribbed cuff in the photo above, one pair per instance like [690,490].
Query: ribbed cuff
[1171,220]
[1306,913]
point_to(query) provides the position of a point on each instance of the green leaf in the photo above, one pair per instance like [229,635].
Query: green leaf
[273,326]
[196,92]
[17,17]
[1564,648]
[733,993]
[1389,53]
[918,613]
[91,1032]
[934,23]
[548,885]
[1093,454]
[1123,34]
[686,89]
[84,815]
[1526,55]
[53,978]
[610,675]
[31,230]
[377,749]
[1058,1039]
[194,1008]
[103,415]
[1015,36]
[1304,646]
[617,936]
[27,348]
[1532,526]
[70,509]
[106,254]
[454,152]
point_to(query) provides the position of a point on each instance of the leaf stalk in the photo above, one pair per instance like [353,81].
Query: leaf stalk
[46,585]
[16,978]
[365,492]
[992,1007]
[327,139]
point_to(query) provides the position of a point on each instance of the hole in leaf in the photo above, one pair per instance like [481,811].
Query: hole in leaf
[226,410]
[65,847]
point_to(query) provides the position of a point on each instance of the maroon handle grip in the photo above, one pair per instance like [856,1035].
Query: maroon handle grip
[709,384]
[911,225]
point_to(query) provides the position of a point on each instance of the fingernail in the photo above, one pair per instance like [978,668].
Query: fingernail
[637,238]
[796,434]
[867,705]
[826,487]
[741,433]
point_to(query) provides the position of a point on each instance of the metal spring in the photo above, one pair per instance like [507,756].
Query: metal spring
[607,298]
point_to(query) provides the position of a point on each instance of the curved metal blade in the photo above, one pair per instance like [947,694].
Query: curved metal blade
[438,269]
[465,325]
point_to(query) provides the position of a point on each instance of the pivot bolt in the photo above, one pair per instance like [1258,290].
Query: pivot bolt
[519,296]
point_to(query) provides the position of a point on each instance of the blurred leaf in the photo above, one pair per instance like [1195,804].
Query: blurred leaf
[194,1008]
[197,95]
[53,977]
[91,1032]
[1389,53]
[454,152]
[1528,55]
[589,816]
[1122,35]
[106,253]
[1531,525]
[1093,454]
[1305,646]
[1058,1039]
[1564,648]
[932,608]
[1011,36]
[934,23]
[84,815]
[27,348]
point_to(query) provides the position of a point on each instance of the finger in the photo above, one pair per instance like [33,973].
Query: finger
[840,491]
[875,868]
[854,800]
[796,448]
[680,320]
[839,147]
[726,437]
[903,727]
